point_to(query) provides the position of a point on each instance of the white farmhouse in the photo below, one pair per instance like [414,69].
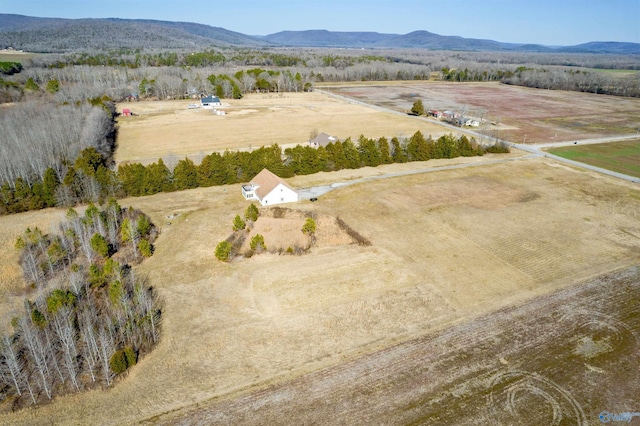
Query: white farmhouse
[210,102]
[269,189]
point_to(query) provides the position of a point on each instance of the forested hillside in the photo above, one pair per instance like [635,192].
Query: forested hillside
[67,35]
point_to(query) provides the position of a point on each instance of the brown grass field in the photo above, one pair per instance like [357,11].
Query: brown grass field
[162,128]
[540,115]
[504,293]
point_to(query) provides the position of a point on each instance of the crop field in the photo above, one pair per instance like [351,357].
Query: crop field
[622,157]
[521,114]
[486,291]
[169,128]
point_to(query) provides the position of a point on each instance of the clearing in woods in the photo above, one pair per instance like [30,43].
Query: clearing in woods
[405,320]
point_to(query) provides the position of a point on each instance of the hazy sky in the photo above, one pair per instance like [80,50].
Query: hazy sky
[550,22]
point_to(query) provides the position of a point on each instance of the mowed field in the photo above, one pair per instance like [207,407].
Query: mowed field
[164,128]
[407,321]
[522,114]
[621,157]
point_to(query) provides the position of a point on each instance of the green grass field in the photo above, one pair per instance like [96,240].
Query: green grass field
[621,157]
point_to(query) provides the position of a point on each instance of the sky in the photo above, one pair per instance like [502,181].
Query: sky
[548,22]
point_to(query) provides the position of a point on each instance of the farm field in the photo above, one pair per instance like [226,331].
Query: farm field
[15,55]
[407,320]
[622,157]
[168,128]
[524,114]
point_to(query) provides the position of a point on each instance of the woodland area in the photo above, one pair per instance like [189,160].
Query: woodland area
[58,133]
[88,316]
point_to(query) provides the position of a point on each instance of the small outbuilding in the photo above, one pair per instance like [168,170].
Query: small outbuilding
[269,189]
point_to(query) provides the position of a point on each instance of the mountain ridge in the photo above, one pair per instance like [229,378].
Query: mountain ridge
[62,35]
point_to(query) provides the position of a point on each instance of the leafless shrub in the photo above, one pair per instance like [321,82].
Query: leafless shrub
[355,236]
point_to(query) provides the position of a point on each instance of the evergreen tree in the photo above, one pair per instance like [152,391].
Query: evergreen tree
[418,148]
[49,185]
[352,158]
[257,243]
[223,251]
[368,152]
[383,148]
[309,227]
[238,223]
[99,245]
[212,170]
[251,213]
[31,85]
[158,179]
[185,175]
[417,108]
[133,178]
[399,155]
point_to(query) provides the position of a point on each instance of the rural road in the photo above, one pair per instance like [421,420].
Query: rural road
[533,149]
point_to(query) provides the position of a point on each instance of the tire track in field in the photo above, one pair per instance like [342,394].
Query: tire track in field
[515,366]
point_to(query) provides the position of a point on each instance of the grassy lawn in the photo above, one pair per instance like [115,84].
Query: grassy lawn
[622,157]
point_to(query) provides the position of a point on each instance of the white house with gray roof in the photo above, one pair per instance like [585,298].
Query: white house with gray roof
[269,189]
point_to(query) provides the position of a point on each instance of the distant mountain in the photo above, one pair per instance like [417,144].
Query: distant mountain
[428,40]
[324,38]
[63,35]
[604,47]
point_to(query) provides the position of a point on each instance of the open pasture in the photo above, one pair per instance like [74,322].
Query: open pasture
[164,128]
[448,248]
[622,157]
[523,114]
[15,55]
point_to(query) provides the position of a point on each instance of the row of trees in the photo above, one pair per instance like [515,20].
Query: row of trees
[90,179]
[233,167]
[90,317]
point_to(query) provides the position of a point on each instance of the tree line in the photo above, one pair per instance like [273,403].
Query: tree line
[90,178]
[90,316]
[232,72]
[35,136]
[239,166]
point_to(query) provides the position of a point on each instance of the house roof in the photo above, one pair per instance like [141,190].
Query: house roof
[267,182]
[323,139]
[210,99]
